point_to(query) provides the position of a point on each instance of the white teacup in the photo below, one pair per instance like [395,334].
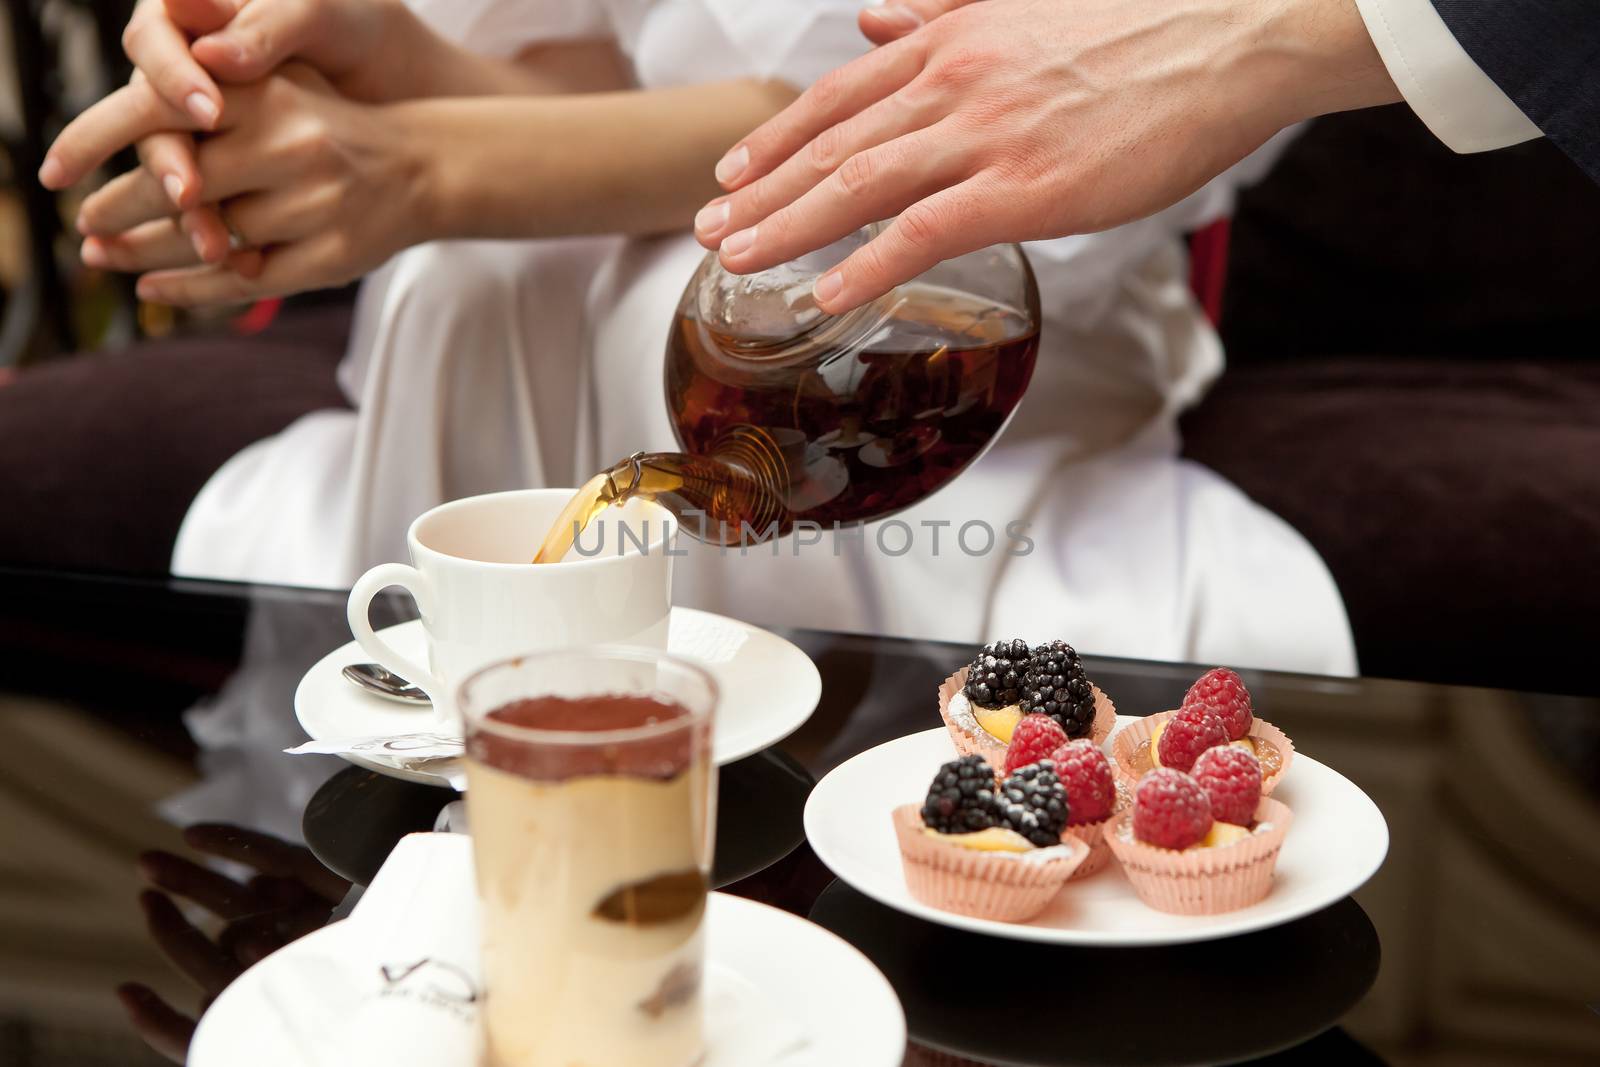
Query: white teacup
[482,600]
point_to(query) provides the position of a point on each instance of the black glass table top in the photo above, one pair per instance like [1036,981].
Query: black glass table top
[157,841]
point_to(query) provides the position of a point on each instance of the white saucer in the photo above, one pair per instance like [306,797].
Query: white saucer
[837,1005]
[1337,842]
[769,689]
[835,996]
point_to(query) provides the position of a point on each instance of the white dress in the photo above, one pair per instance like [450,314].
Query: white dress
[482,365]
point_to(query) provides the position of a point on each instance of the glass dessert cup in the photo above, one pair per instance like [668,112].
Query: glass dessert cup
[591,796]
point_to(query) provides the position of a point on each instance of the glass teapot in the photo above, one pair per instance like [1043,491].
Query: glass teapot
[787,414]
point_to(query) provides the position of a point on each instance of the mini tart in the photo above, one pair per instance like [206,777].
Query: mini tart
[1203,881]
[1093,834]
[971,739]
[1003,886]
[1126,745]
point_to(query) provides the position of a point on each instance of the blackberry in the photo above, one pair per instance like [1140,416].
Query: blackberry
[1054,684]
[1033,802]
[961,799]
[994,679]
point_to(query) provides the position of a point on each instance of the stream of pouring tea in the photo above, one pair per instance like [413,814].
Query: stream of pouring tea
[597,494]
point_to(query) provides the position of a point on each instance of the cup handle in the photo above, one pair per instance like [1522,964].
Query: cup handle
[370,585]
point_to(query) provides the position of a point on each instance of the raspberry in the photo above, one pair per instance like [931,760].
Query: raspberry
[1170,810]
[1221,690]
[1033,739]
[1034,804]
[1054,684]
[961,799]
[1086,774]
[994,679]
[1231,778]
[1188,733]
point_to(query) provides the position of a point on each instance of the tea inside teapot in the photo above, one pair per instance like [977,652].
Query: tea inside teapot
[788,415]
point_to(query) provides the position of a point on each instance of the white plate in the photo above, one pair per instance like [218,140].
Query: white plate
[829,991]
[769,689]
[1337,842]
[832,992]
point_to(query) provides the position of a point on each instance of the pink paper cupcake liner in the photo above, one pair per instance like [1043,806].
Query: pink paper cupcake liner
[992,748]
[1204,881]
[967,743]
[1137,732]
[1093,834]
[985,885]
[1105,716]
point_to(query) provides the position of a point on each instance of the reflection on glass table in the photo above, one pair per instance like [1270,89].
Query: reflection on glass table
[354,820]
[1012,1002]
[132,710]
[283,894]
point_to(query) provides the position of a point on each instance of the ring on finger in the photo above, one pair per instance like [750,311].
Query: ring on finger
[236,240]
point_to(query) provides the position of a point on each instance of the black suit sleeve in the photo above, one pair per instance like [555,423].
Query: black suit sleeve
[1544,55]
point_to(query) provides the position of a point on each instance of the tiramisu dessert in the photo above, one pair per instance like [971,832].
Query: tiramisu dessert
[592,872]
[1215,711]
[992,852]
[982,703]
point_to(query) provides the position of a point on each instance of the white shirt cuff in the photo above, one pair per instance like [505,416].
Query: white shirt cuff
[1449,92]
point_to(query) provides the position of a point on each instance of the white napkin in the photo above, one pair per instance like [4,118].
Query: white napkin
[710,639]
[743,1026]
[400,986]
[431,753]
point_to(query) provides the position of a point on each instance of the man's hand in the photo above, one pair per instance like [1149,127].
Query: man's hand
[327,188]
[1012,120]
[896,18]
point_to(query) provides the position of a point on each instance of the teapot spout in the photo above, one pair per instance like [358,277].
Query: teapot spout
[734,496]
[727,497]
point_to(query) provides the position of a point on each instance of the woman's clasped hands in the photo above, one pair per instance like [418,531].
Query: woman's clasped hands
[269,161]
